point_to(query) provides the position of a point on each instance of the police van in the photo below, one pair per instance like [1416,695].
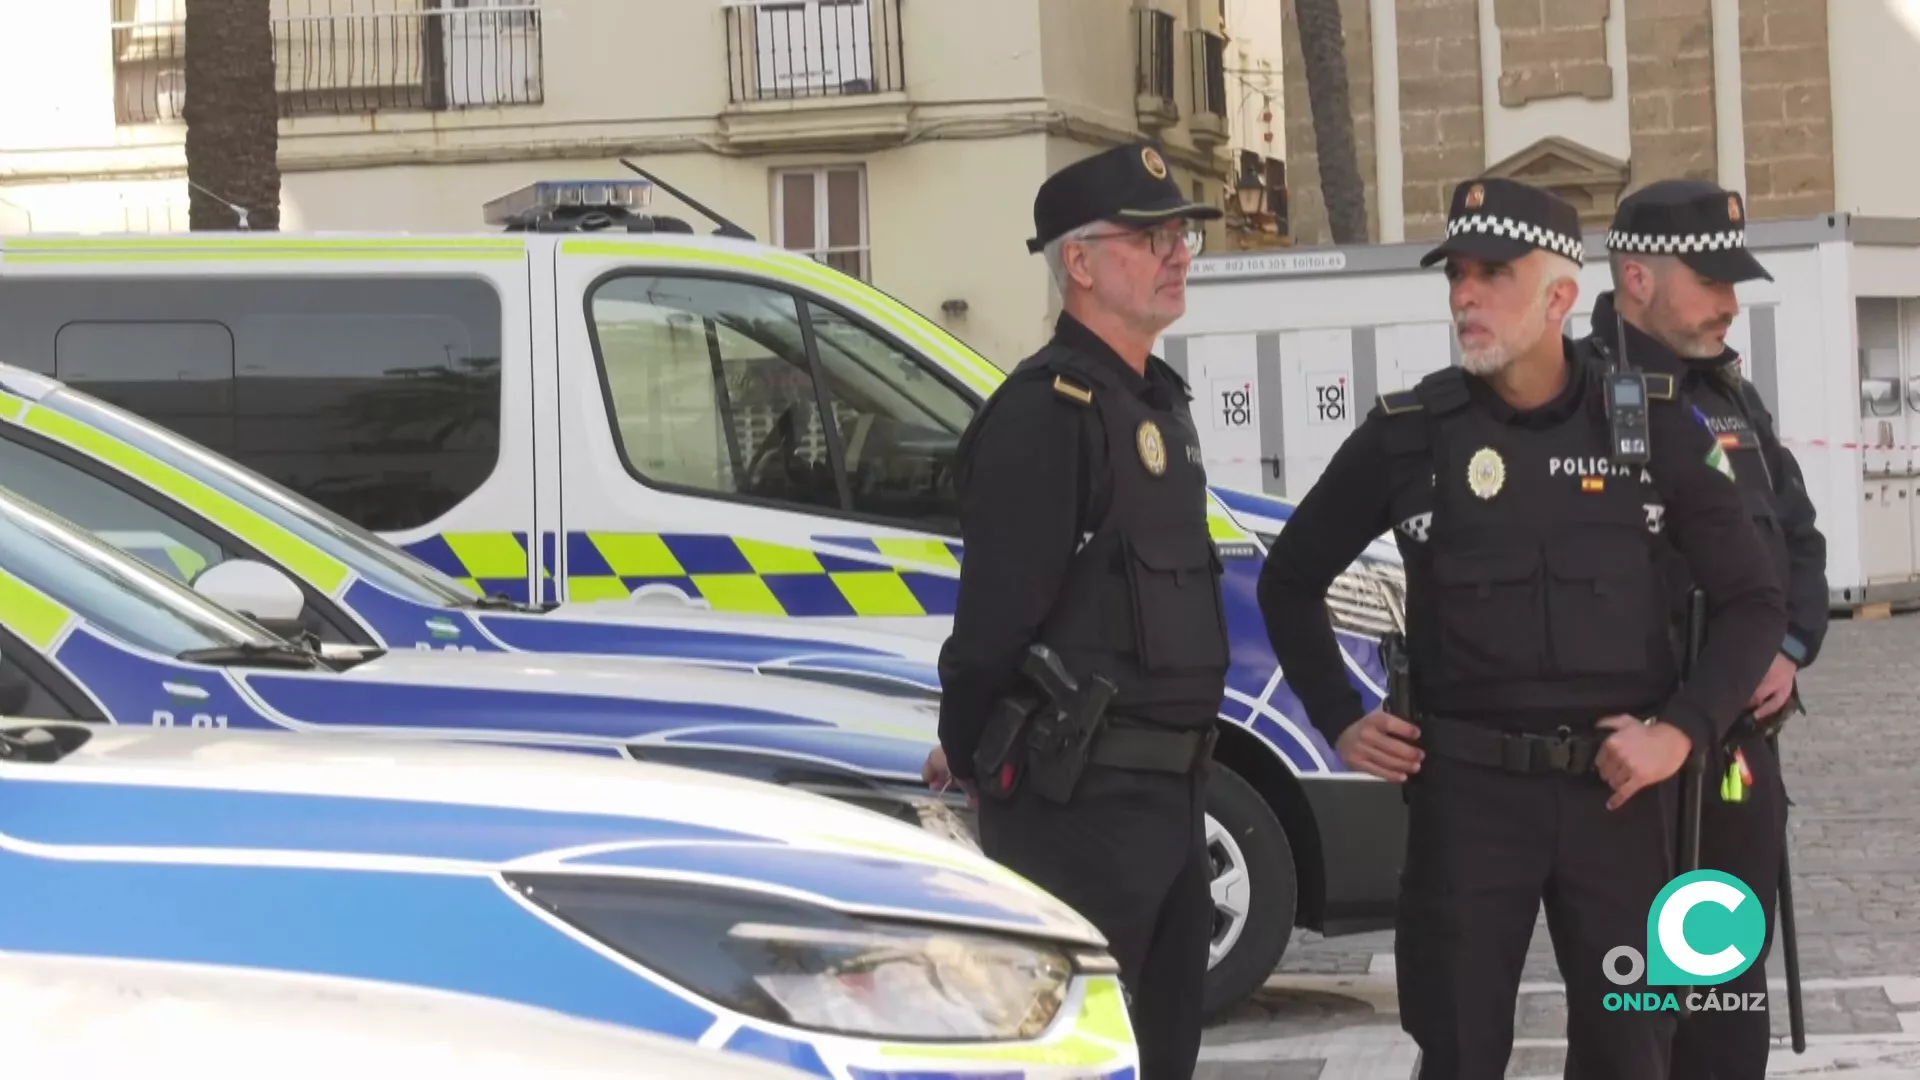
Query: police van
[597,406]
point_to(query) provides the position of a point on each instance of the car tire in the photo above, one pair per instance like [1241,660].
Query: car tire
[1254,887]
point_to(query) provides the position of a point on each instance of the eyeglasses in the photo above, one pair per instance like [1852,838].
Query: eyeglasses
[1160,240]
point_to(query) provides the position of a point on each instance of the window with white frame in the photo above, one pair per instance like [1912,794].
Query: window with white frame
[822,213]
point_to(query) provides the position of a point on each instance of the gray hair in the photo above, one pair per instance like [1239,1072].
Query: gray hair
[1617,262]
[1557,268]
[1056,257]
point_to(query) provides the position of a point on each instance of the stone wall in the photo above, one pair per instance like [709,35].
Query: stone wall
[1442,132]
[1307,211]
[1788,108]
[1552,49]
[1670,89]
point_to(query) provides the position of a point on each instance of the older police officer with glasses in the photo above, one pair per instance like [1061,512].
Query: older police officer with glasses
[1083,508]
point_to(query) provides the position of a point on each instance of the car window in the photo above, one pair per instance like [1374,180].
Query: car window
[370,556]
[113,590]
[107,512]
[712,386]
[899,424]
[22,695]
[709,387]
[378,397]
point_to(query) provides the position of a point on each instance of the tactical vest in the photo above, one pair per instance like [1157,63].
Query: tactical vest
[1538,585]
[1141,602]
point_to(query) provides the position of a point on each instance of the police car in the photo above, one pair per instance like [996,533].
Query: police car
[79,1018]
[188,511]
[597,404]
[101,636]
[712,911]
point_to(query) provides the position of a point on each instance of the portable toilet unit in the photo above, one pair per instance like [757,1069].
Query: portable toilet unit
[1287,349]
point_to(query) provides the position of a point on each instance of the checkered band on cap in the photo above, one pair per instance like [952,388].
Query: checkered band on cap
[1657,244]
[1538,235]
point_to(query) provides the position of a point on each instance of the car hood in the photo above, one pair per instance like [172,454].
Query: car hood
[85,1016]
[879,634]
[340,800]
[661,680]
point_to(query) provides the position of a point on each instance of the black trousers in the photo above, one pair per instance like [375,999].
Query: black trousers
[1128,853]
[1745,839]
[1485,848]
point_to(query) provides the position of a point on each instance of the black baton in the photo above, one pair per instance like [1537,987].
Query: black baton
[1789,940]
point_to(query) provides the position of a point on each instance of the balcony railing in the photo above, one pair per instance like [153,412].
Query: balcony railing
[345,57]
[813,49]
[1153,73]
[1209,74]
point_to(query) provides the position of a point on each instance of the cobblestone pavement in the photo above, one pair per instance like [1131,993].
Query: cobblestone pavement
[1853,773]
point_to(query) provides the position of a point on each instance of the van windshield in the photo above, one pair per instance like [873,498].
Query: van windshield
[372,558]
[114,591]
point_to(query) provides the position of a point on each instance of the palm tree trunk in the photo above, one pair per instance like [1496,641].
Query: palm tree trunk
[232,114]
[1323,46]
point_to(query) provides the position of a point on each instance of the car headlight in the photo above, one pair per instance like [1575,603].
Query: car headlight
[813,968]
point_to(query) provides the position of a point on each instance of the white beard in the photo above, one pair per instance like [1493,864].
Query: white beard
[1488,361]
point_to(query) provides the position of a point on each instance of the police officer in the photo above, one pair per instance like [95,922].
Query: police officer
[1083,508]
[1678,248]
[1548,712]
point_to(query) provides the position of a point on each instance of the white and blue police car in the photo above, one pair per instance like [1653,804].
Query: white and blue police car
[717,912]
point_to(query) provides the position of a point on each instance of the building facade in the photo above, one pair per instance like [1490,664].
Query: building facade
[900,140]
[1795,103]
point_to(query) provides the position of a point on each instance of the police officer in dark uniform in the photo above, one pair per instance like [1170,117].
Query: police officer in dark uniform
[1549,716]
[1083,508]
[1678,249]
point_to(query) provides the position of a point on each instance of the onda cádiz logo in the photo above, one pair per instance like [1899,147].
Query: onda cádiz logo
[1704,929]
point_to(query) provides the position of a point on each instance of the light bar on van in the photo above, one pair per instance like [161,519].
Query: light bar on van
[550,195]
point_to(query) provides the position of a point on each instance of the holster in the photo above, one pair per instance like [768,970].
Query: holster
[1059,748]
[998,759]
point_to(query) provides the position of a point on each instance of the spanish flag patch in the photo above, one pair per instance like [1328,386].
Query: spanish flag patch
[1593,483]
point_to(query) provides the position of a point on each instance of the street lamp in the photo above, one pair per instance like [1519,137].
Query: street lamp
[1251,191]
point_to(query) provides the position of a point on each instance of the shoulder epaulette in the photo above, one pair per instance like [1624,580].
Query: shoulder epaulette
[1660,386]
[1444,391]
[1396,402]
[1067,388]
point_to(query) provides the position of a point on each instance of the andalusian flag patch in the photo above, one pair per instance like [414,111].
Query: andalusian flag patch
[1717,457]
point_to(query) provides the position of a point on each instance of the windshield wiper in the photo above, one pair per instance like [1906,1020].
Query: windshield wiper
[502,602]
[43,743]
[255,654]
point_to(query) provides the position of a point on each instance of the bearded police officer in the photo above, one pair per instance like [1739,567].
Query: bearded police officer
[1083,508]
[1678,248]
[1548,711]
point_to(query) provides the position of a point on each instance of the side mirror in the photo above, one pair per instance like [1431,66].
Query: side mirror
[256,590]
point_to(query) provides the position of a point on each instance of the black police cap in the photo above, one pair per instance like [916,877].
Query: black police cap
[1500,220]
[1702,224]
[1129,185]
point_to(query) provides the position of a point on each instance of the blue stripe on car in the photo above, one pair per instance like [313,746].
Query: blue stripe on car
[536,633]
[418,929]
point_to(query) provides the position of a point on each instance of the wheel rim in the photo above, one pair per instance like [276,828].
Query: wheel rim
[1232,890]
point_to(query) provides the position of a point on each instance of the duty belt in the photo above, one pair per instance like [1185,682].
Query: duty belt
[1143,749]
[1514,752]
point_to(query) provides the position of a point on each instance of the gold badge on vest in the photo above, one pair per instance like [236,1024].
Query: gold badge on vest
[1153,448]
[1486,472]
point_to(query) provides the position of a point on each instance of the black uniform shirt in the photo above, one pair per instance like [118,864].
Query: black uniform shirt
[1804,558]
[1023,477]
[1347,508]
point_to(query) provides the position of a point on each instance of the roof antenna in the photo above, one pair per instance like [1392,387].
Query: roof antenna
[239,211]
[727,228]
